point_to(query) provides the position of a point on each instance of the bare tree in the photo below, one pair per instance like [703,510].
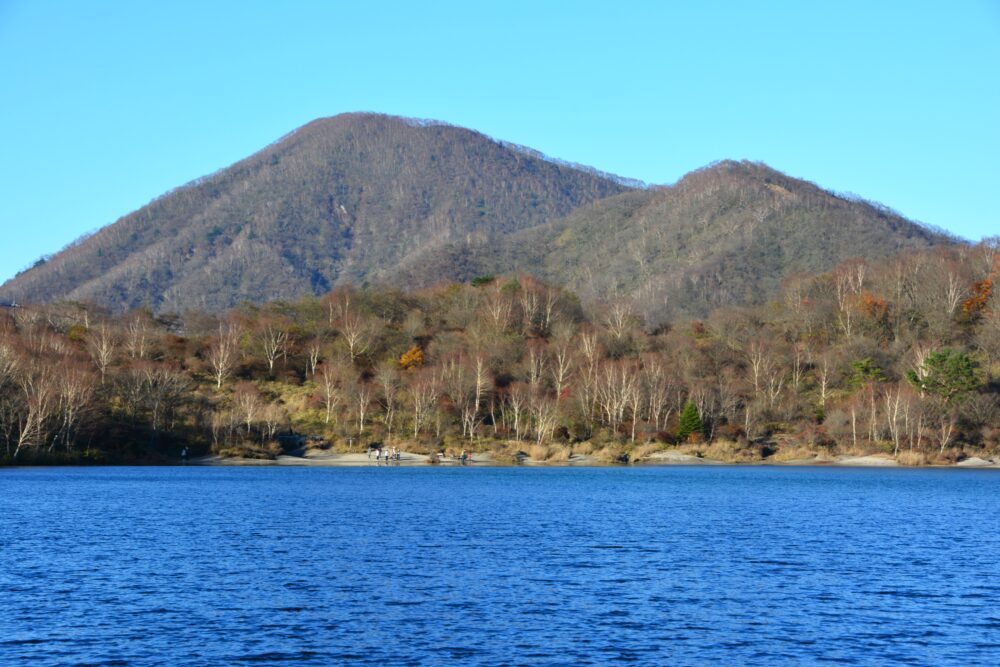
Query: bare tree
[616,381]
[424,390]
[137,333]
[849,280]
[224,352]
[362,397]
[39,389]
[824,375]
[271,337]
[338,304]
[481,382]
[75,393]
[620,318]
[896,408]
[331,379]
[987,255]
[561,368]
[102,344]
[499,308]
[546,416]
[516,407]
[165,389]
[459,384]
[634,401]
[588,375]
[358,334]
[536,363]
[272,417]
[8,361]
[248,403]
[388,380]
[314,352]
[659,385]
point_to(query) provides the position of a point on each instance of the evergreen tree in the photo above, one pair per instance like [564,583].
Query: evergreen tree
[690,422]
[946,373]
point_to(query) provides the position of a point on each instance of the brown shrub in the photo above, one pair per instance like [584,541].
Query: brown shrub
[643,452]
[723,450]
[911,458]
[559,453]
[611,454]
[950,456]
[792,453]
[538,452]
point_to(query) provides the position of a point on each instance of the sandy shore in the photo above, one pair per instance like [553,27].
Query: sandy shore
[320,458]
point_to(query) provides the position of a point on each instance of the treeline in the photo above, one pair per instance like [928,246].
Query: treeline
[902,356]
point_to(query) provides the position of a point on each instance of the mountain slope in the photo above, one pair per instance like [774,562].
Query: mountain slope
[364,198]
[339,200]
[726,234]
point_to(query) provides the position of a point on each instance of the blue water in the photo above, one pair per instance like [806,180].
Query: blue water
[501,566]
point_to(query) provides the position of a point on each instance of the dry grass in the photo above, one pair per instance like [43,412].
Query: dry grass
[911,458]
[549,453]
[951,456]
[248,450]
[727,451]
[506,456]
[538,452]
[559,453]
[858,451]
[643,452]
[793,453]
[610,453]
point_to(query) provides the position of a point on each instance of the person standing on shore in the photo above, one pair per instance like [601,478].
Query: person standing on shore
[184,455]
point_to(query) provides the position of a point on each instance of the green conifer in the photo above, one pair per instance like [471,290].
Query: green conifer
[690,422]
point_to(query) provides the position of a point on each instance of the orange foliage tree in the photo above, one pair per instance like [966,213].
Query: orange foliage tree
[412,358]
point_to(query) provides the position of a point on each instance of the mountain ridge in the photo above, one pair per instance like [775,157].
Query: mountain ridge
[728,233]
[354,185]
[363,198]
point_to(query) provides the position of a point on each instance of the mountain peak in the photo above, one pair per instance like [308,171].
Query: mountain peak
[362,197]
[339,200]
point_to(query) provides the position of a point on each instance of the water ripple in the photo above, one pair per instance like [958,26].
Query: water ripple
[690,566]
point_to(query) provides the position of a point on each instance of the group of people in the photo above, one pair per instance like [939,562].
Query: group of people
[384,454]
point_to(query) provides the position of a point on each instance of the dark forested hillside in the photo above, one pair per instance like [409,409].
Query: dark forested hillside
[339,200]
[726,234]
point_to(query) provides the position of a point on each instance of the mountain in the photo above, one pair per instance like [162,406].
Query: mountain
[726,234]
[372,199]
[340,200]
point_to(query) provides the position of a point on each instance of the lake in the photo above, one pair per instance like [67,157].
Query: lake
[499,566]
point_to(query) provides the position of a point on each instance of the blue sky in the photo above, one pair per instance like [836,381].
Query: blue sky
[104,106]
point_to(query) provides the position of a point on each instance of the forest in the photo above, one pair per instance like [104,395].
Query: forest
[899,357]
[378,201]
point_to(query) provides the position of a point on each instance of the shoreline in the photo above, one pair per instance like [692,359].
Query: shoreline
[660,459]
[669,458]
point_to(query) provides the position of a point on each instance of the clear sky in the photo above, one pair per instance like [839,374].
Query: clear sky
[104,106]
